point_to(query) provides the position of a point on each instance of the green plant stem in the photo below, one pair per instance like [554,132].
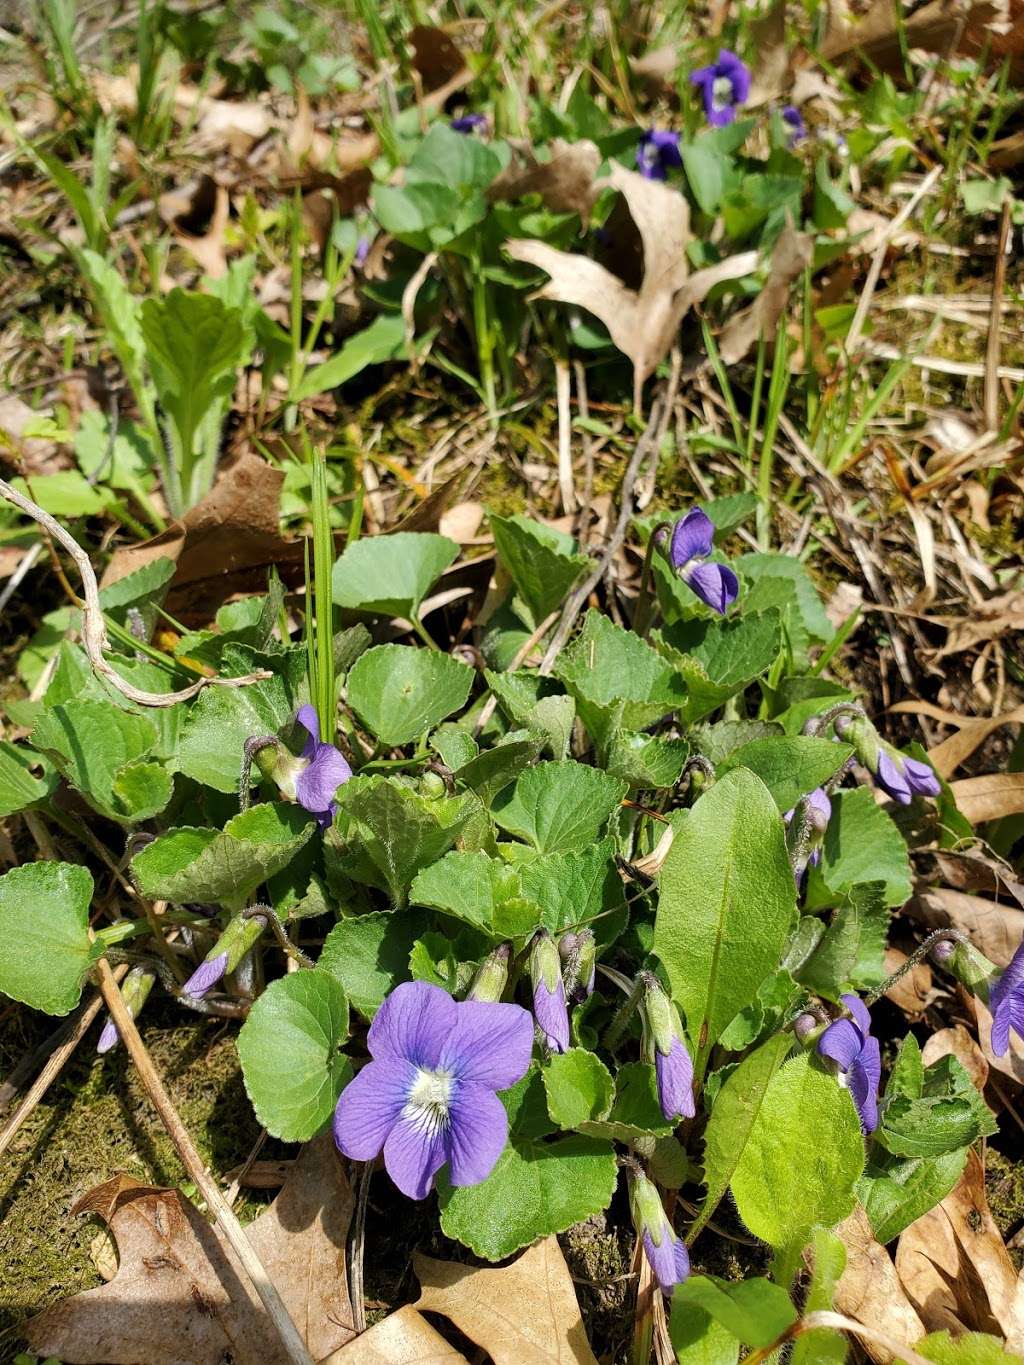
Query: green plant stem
[423,633]
[484,346]
[777,387]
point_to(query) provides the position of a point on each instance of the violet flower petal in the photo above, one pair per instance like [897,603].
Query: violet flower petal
[692,537]
[477,1133]
[317,785]
[413,1154]
[674,1072]
[841,1043]
[310,722]
[109,1038]
[891,779]
[205,977]
[735,70]
[863,1078]
[715,584]
[921,777]
[413,1024]
[370,1106]
[552,1016]
[820,804]
[489,1045]
[859,1011]
[669,1267]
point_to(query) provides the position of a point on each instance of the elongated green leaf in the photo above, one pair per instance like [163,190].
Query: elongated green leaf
[289,1050]
[824,1346]
[698,1339]
[391,574]
[559,807]
[44,926]
[384,339]
[897,1190]
[726,903]
[400,692]
[223,865]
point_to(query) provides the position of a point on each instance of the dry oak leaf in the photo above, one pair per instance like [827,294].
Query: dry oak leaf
[956,1269]
[642,323]
[934,27]
[869,1288]
[988,621]
[914,992]
[566,182]
[403,1338]
[180,1297]
[523,1314]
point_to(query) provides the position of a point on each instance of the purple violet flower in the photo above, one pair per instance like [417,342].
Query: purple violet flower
[109,1038]
[327,769]
[468,123]
[725,85]
[1006,1001]
[692,540]
[818,809]
[794,121]
[848,1043]
[658,153]
[429,1094]
[903,778]
[663,1035]
[549,993]
[362,250]
[665,1251]
[206,976]
[135,991]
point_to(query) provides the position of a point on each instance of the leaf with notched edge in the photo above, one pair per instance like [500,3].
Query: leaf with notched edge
[180,1296]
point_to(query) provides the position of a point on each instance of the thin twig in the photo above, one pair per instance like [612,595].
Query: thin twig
[563,395]
[94,634]
[995,321]
[356,1243]
[577,598]
[193,1163]
[54,1065]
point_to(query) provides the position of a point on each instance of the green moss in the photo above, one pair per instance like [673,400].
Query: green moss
[1004,1185]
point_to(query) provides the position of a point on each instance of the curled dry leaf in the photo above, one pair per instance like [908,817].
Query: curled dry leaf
[643,323]
[566,182]
[989,797]
[995,930]
[955,1268]
[180,1296]
[791,255]
[404,1338]
[462,522]
[523,1314]
[988,621]
[913,992]
[198,215]
[869,1288]
[957,1042]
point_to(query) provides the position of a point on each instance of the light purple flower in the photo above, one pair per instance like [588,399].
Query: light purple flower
[794,120]
[109,1038]
[429,1094]
[818,809]
[657,153]
[848,1043]
[674,1073]
[468,123]
[362,250]
[903,778]
[549,1006]
[1006,1001]
[206,976]
[691,542]
[318,783]
[725,84]
[665,1251]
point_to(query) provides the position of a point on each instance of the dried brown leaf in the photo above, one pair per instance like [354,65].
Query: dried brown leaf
[436,56]
[404,1338]
[772,67]
[935,27]
[523,1314]
[642,323]
[566,182]
[658,64]
[198,214]
[995,930]
[180,1297]
[790,257]
[955,1268]
[869,1288]
[911,993]
[989,797]
[462,522]
[988,621]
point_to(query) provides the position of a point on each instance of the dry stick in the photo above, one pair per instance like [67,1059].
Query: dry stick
[94,634]
[193,1163]
[992,348]
[54,1065]
[577,598]
[563,395]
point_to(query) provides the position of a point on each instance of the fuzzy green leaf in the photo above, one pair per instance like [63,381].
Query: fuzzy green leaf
[789,767]
[482,891]
[579,1087]
[98,747]
[756,1312]
[44,925]
[559,807]
[19,786]
[861,844]
[391,574]
[369,955]
[399,692]
[897,1190]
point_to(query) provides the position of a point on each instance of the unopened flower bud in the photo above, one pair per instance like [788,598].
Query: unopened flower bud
[241,934]
[579,953]
[806,1027]
[943,951]
[665,1251]
[899,777]
[491,976]
[135,989]
[970,967]
[663,1035]
[549,993]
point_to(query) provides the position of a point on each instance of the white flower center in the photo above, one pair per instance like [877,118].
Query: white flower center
[429,1100]
[721,93]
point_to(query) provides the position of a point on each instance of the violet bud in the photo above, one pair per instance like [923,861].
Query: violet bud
[663,1036]
[807,823]
[665,1251]
[658,153]
[1006,1001]
[579,953]
[899,777]
[807,1027]
[135,989]
[492,975]
[242,932]
[549,1007]
[970,967]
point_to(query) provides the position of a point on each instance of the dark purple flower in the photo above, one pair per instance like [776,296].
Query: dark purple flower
[658,153]
[549,993]
[665,1251]
[206,976]
[848,1043]
[1006,1001]
[317,784]
[725,84]
[794,121]
[691,542]
[429,1094]
[468,123]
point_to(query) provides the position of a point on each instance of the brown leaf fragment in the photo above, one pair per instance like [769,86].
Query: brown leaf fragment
[955,1268]
[404,1338]
[988,621]
[911,993]
[436,56]
[198,214]
[934,27]
[870,1290]
[791,255]
[989,797]
[643,323]
[772,67]
[995,930]
[523,1314]
[566,182]
[180,1297]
